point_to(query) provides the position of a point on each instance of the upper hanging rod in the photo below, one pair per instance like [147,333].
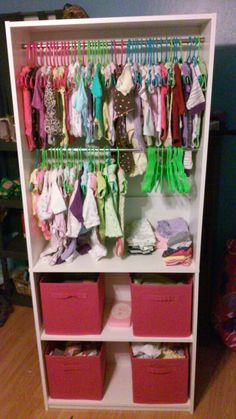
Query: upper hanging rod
[110,43]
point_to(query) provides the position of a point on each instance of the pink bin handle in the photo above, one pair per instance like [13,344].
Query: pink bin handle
[156,370]
[161,298]
[79,296]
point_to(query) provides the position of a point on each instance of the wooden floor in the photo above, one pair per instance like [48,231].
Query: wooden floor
[20,389]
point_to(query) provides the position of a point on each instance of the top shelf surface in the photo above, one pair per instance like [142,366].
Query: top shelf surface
[196,18]
[131,263]
[188,20]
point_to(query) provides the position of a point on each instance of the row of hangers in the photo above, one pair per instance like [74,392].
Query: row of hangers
[141,51]
[57,157]
[165,165]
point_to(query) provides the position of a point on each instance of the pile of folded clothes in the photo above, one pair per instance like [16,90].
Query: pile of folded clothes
[158,350]
[174,238]
[140,237]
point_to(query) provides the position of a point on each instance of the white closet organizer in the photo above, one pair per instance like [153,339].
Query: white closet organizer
[118,394]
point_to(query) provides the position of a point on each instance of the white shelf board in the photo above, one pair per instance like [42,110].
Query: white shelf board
[118,395]
[131,263]
[114,334]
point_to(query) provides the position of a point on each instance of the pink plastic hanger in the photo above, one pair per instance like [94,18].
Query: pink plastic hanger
[27,53]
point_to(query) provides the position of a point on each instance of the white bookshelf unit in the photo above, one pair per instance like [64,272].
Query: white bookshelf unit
[118,393]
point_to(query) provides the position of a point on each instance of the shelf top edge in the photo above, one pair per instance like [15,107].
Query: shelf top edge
[198,18]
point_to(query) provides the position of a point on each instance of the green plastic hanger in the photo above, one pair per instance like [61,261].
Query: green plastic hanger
[186,186]
[166,51]
[79,52]
[99,162]
[175,165]
[89,52]
[127,60]
[170,177]
[175,56]
[162,174]
[161,48]
[158,169]
[148,182]
[118,156]
[42,158]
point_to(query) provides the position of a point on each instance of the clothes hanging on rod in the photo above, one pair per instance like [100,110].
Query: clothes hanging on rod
[79,202]
[78,205]
[148,94]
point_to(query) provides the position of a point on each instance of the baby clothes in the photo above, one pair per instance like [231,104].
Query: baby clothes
[100,195]
[98,251]
[157,350]
[112,225]
[125,82]
[140,237]
[74,219]
[174,238]
[52,123]
[90,210]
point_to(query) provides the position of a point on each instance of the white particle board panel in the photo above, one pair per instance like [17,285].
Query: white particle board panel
[118,395]
[201,158]
[131,263]
[107,28]
[114,334]
[119,334]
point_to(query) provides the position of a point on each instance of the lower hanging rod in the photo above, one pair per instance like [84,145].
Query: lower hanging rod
[111,150]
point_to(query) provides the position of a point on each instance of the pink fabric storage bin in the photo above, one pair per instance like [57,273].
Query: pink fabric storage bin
[72,307]
[160,380]
[162,310]
[76,377]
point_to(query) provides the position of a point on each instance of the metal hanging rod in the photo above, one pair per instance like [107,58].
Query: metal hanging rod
[109,43]
[109,150]
[95,149]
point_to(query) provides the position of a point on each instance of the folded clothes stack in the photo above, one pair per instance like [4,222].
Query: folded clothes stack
[76,349]
[157,350]
[174,238]
[140,237]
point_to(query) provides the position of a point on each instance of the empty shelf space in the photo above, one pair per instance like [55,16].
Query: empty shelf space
[130,263]
[118,394]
